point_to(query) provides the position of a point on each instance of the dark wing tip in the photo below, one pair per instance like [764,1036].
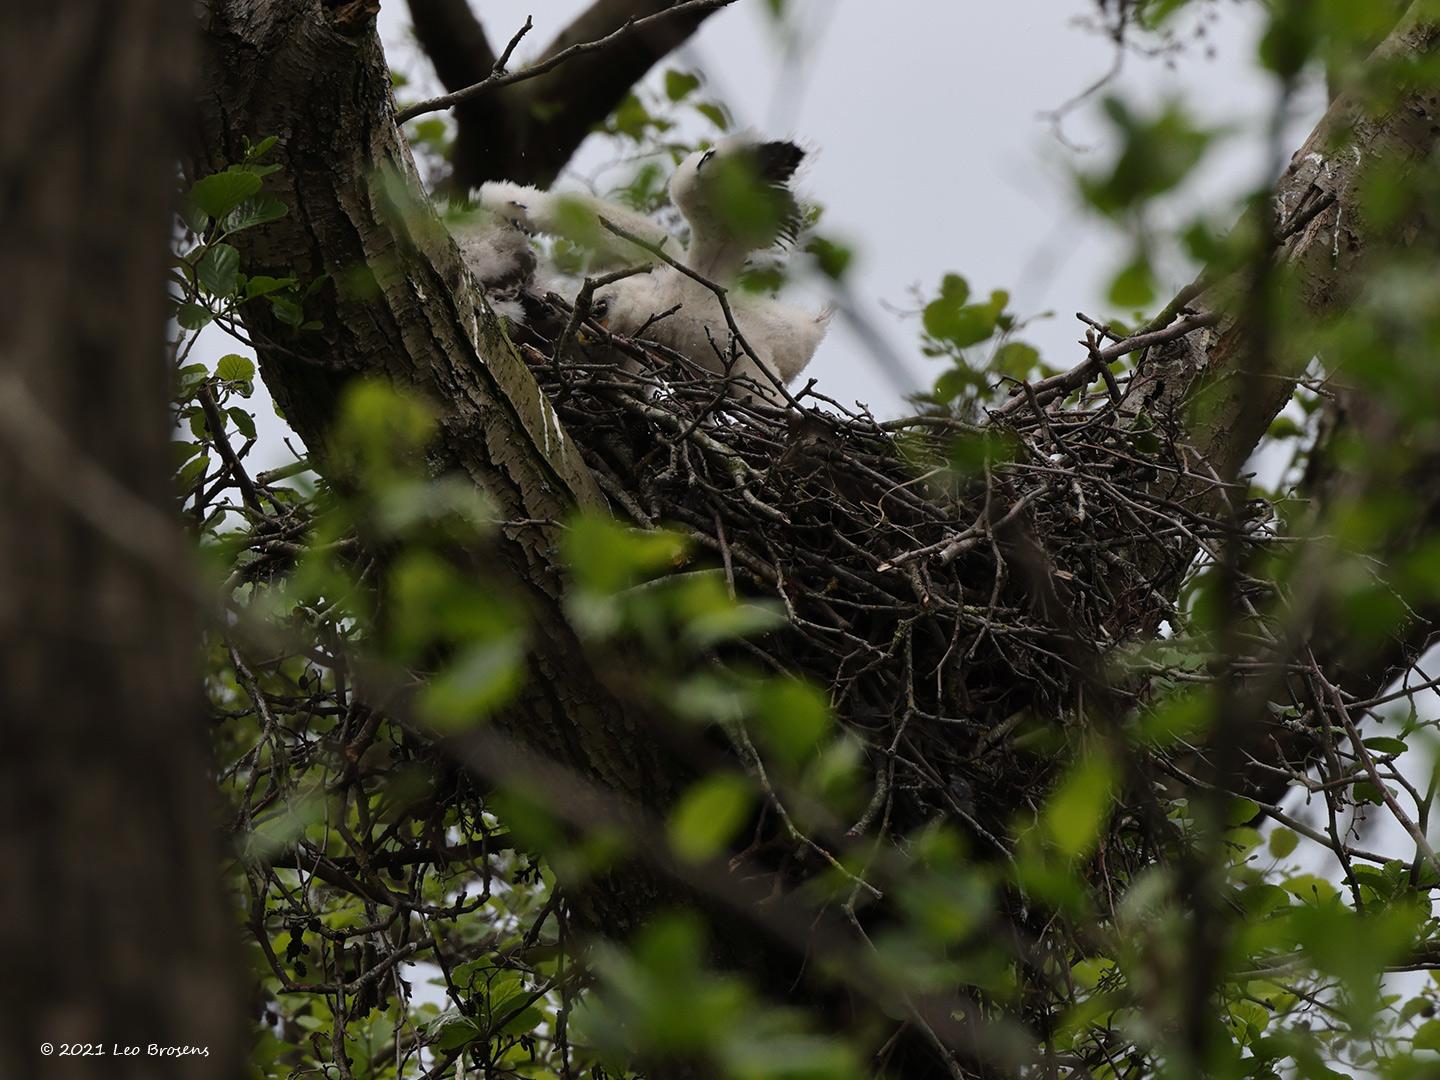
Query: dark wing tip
[777,161]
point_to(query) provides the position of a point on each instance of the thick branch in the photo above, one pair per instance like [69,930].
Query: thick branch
[456,45]
[453,39]
[578,81]
[1325,259]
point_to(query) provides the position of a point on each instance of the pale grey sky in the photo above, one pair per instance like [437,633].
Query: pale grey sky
[931,153]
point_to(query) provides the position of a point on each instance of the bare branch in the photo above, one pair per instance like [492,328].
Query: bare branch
[498,79]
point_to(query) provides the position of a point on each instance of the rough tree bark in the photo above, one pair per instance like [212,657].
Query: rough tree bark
[112,922]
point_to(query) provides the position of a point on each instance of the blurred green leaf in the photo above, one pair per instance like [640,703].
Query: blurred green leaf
[709,815]
[1077,811]
[679,84]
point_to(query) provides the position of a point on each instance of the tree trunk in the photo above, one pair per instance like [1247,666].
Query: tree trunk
[398,305]
[112,922]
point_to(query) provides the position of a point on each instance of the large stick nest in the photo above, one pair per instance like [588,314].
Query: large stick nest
[946,579]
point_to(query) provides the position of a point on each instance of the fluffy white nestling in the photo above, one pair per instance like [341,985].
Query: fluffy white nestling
[574,216]
[736,199]
[501,257]
[782,336]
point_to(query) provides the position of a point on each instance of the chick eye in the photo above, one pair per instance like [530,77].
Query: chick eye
[600,308]
[704,158]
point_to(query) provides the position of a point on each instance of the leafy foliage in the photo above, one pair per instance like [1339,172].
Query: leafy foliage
[1056,860]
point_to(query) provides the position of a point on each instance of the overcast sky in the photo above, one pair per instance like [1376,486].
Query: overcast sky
[932,155]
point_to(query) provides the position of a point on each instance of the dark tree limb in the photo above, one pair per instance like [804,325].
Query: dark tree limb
[453,39]
[455,43]
[574,85]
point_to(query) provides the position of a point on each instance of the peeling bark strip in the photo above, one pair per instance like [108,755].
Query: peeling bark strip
[397,305]
[113,926]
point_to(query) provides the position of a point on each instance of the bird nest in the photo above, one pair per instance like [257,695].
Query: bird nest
[947,580]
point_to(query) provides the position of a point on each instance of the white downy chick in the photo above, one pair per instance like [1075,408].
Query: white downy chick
[783,337]
[574,216]
[502,259]
[736,200]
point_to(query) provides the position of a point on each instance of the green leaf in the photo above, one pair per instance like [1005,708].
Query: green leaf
[679,84]
[1283,842]
[480,680]
[1414,1007]
[1159,152]
[193,316]
[794,718]
[963,327]
[260,149]
[607,557]
[220,193]
[1240,811]
[195,219]
[950,318]
[261,285]
[193,471]
[715,114]
[433,132]
[1134,285]
[526,1020]
[631,118]
[243,421]
[232,367]
[709,814]
[1015,359]
[832,258]
[712,617]
[287,311]
[218,270]
[1249,1018]
[1428,1037]
[954,289]
[1366,791]
[1386,744]
[458,1033]
[955,382]
[257,211]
